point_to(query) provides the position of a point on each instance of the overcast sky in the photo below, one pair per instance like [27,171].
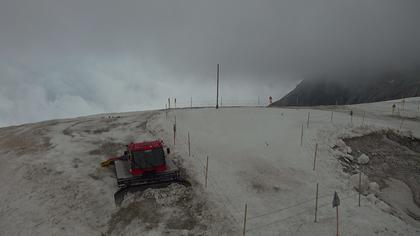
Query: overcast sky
[67,58]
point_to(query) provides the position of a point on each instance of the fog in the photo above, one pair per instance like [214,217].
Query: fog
[69,58]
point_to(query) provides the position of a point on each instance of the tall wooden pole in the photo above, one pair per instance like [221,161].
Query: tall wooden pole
[217,90]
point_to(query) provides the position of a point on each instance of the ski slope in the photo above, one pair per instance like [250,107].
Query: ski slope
[52,184]
[256,158]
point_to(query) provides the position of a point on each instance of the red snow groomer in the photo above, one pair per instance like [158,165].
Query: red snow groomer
[143,165]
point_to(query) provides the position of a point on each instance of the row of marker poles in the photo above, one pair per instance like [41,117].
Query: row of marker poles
[168,106]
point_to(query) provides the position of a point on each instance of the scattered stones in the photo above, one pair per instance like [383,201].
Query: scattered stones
[349,157]
[363,159]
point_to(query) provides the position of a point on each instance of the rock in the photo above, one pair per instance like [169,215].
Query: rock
[372,198]
[354,181]
[349,157]
[373,188]
[349,150]
[363,159]
[340,143]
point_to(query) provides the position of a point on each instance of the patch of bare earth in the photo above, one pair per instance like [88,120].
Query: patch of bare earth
[174,208]
[25,139]
[391,156]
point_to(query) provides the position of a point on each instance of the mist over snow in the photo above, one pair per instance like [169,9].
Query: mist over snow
[70,58]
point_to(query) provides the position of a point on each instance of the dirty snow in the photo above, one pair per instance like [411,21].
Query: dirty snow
[52,183]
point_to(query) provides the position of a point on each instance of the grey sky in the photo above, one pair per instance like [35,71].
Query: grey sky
[67,58]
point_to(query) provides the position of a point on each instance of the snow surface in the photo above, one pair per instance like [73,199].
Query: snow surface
[255,158]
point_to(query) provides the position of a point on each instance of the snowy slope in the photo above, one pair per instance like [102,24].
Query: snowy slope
[52,183]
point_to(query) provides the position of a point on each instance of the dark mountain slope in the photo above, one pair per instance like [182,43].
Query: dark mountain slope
[352,91]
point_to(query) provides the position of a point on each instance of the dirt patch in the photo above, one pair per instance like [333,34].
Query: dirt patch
[25,139]
[172,208]
[391,156]
[108,149]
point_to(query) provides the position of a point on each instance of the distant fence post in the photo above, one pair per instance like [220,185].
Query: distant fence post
[189,145]
[316,150]
[301,136]
[307,123]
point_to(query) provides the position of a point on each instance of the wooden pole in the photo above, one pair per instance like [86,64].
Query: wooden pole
[307,123]
[191,102]
[316,203]
[217,89]
[360,186]
[189,145]
[175,103]
[169,103]
[337,220]
[301,136]
[244,229]
[207,170]
[332,114]
[316,150]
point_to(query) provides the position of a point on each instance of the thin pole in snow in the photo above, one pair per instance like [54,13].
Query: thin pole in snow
[189,145]
[332,114]
[337,220]
[360,186]
[244,228]
[301,136]
[217,89]
[316,203]
[207,170]
[316,150]
[258,100]
[307,123]
[191,102]
[169,103]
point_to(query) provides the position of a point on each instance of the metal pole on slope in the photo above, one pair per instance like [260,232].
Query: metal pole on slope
[360,186]
[244,228]
[189,145]
[217,89]
[316,202]
[207,170]
[316,150]
[307,123]
[301,136]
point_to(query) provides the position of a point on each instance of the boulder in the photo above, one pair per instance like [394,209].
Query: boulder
[363,159]
[354,181]
[373,188]
[349,150]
